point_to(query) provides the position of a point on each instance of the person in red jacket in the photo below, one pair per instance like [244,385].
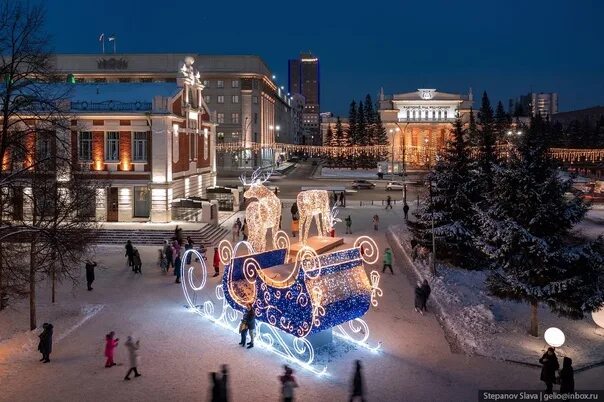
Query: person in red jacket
[216,262]
[110,345]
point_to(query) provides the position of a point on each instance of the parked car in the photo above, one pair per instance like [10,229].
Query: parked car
[359,184]
[395,186]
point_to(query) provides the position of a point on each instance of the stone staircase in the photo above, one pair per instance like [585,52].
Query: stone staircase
[209,235]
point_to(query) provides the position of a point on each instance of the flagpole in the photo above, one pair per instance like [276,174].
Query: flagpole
[103,41]
[114,40]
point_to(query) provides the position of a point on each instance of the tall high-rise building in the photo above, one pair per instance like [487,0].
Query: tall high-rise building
[532,104]
[304,79]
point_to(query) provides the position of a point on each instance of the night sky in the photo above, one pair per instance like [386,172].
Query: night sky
[507,48]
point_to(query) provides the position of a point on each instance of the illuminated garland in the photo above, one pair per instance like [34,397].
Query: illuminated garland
[311,204]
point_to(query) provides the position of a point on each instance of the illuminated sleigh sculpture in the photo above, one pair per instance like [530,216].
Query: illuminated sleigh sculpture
[313,294]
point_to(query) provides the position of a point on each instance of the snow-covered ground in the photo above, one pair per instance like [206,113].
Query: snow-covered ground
[486,325]
[179,349]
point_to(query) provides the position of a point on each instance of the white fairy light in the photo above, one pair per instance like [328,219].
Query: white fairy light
[312,203]
[263,214]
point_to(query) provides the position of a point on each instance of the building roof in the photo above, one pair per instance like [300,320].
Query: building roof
[431,94]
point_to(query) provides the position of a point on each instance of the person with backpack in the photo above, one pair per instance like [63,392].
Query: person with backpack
[387,260]
[138,264]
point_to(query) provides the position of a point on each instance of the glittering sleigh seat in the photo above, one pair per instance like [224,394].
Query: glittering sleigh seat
[315,293]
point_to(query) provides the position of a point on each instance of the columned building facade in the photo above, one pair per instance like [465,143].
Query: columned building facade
[419,123]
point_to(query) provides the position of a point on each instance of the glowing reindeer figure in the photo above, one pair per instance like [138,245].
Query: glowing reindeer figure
[263,214]
[311,203]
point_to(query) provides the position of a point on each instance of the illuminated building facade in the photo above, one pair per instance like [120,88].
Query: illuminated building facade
[304,79]
[148,142]
[419,123]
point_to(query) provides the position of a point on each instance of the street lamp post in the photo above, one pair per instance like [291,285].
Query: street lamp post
[392,131]
[404,166]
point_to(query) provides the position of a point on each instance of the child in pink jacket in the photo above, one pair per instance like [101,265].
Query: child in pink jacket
[110,345]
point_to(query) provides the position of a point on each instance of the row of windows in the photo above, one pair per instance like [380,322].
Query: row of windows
[220,99]
[234,118]
[220,83]
[124,80]
[415,114]
[112,146]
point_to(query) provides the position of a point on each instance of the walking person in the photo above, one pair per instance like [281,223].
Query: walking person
[419,298]
[376,222]
[216,391]
[138,263]
[132,357]
[549,360]
[288,383]
[426,290]
[169,254]
[189,246]
[177,267]
[342,199]
[224,383]
[45,344]
[239,224]
[358,387]
[90,273]
[245,229]
[406,211]
[388,202]
[130,253]
[335,198]
[110,345]
[348,221]
[387,260]
[216,262]
[567,376]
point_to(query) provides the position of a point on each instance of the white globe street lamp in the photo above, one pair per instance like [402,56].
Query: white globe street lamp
[554,337]
[598,317]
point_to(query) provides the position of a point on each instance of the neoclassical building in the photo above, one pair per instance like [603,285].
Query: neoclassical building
[147,143]
[418,123]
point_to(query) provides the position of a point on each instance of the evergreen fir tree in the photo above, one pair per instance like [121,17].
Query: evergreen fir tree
[451,206]
[502,121]
[342,138]
[487,158]
[361,125]
[352,123]
[370,120]
[473,134]
[526,233]
[329,138]
[381,137]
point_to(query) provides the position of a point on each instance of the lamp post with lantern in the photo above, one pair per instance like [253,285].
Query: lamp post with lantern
[392,131]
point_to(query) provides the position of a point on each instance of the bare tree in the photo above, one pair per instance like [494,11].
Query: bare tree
[46,204]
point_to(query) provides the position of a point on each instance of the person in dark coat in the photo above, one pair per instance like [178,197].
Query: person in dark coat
[45,344]
[248,324]
[419,298]
[224,383]
[90,273]
[130,253]
[549,360]
[406,211]
[358,388]
[342,199]
[177,268]
[216,394]
[567,376]
[388,202]
[138,263]
[426,290]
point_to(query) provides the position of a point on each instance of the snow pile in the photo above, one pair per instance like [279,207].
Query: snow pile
[477,323]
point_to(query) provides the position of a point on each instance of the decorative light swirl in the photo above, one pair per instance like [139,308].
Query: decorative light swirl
[225,250]
[350,333]
[318,309]
[247,245]
[370,252]
[301,352]
[204,269]
[307,259]
[250,268]
[281,240]
[375,289]
[242,301]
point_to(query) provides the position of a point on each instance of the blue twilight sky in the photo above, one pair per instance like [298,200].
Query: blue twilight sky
[507,48]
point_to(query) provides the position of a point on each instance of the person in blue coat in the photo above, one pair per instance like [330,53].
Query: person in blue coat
[248,324]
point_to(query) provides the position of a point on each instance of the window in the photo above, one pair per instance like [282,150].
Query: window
[235,135]
[207,98]
[142,202]
[112,146]
[139,145]
[220,117]
[235,118]
[445,114]
[235,84]
[255,99]
[206,146]
[220,136]
[255,118]
[146,79]
[235,99]
[206,83]
[124,79]
[192,146]
[220,84]
[85,146]
[255,84]
[220,99]
[43,147]
[100,80]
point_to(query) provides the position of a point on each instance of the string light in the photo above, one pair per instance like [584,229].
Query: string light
[312,203]
[263,214]
[319,292]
